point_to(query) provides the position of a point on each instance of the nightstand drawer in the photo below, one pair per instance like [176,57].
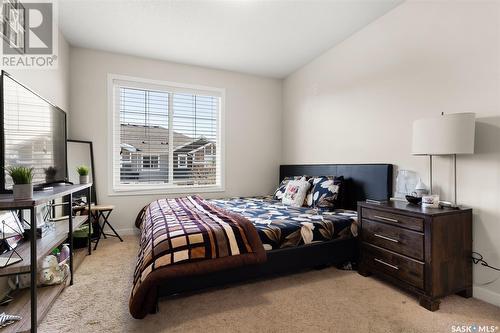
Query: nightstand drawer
[398,266]
[404,241]
[410,222]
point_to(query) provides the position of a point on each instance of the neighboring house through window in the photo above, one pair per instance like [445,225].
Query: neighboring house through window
[165,137]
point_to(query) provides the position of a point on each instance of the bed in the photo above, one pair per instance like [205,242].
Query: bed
[280,226]
[261,237]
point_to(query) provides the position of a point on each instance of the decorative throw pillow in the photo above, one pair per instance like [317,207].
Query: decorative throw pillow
[295,192]
[280,191]
[325,192]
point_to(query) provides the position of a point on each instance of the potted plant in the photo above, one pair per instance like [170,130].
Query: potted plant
[50,174]
[22,177]
[83,171]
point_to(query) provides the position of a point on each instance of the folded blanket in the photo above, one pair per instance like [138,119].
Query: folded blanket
[184,237]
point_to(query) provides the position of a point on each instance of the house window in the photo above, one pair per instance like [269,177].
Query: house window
[150,162]
[126,158]
[210,160]
[182,161]
[155,127]
[209,156]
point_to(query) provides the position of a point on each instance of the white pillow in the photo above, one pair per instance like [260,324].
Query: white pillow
[295,192]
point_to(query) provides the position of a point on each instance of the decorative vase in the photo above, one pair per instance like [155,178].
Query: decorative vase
[84,179]
[64,253]
[22,191]
[421,189]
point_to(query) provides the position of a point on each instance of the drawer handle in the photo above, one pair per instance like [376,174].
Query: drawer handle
[386,238]
[386,263]
[386,219]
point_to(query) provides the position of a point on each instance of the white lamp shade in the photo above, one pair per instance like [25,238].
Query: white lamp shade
[444,135]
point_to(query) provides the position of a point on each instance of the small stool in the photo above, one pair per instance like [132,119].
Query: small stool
[103,211]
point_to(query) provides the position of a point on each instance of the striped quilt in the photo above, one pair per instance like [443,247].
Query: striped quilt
[188,236]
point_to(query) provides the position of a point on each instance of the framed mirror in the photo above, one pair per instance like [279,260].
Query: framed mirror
[81,153]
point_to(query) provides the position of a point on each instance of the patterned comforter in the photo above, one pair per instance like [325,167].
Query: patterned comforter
[282,226]
[184,237]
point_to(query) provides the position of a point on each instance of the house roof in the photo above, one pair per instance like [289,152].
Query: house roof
[153,139]
[133,138]
[128,148]
[193,145]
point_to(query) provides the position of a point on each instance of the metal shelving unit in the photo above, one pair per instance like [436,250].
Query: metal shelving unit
[38,301]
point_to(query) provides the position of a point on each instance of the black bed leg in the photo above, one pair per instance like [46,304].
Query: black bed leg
[155,308]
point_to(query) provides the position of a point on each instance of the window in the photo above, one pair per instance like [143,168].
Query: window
[165,137]
[126,158]
[210,157]
[182,161]
[150,162]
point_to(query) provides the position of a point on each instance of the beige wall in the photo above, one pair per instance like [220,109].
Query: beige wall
[50,84]
[356,103]
[252,112]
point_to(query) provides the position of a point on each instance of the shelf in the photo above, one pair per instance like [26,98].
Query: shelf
[46,296]
[40,197]
[44,245]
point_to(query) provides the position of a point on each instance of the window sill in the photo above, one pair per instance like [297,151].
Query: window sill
[165,190]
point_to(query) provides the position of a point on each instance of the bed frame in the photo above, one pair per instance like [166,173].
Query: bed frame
[363,181]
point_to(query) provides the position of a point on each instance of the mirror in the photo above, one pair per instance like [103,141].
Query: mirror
[81,153]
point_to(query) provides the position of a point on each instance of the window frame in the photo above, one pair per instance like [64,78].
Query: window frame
[114,130]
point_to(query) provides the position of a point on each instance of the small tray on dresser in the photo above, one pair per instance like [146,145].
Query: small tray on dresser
[426,251]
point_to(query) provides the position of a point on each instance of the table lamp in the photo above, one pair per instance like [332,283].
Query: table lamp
[447,134]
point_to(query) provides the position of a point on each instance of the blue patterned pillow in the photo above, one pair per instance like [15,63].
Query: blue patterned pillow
[325,192]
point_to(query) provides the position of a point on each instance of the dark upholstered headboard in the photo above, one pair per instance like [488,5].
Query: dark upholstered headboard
[363,181]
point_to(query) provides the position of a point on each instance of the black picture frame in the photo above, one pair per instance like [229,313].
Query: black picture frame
[92,166]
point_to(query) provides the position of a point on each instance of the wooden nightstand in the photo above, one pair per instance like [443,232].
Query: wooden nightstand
[426,251]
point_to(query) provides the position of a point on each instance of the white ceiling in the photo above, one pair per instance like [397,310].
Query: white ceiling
[269,38]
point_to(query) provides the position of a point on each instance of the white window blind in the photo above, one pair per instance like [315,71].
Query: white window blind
[165,137]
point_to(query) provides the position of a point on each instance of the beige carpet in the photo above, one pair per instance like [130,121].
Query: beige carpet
[328,300]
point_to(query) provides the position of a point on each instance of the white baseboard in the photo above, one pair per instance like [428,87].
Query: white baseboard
[486,295]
